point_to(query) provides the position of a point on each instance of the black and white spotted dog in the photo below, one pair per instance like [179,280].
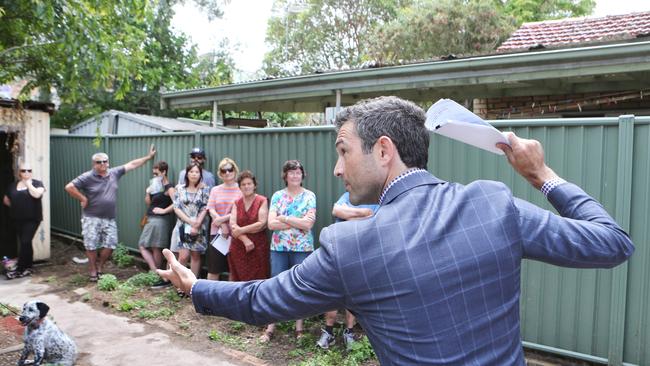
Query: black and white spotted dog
[44,339]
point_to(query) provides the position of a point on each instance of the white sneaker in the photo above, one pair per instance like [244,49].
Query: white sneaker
[348,339]
[326,339]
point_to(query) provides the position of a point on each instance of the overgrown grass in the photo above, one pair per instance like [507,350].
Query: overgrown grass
[163,312]
[78,280]
[107,282]
[121,256]
[144,279]
[226,339]
[128,305]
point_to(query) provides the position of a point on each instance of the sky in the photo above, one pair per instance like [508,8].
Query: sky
[244,23]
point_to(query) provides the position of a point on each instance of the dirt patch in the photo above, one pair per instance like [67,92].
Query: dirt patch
[176,316]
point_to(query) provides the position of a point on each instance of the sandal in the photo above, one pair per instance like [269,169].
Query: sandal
[266,337]
[181,294]
[299,334]
[93,278]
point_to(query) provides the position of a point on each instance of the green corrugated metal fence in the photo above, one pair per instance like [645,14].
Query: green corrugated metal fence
[598,315]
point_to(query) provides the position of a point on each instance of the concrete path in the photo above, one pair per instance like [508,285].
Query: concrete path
[108,340]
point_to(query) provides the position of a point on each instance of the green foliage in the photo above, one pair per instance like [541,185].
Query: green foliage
[121,256]
[51,279]
[324,35]
[107,282]
[164,313]
[361,351]
[128,305]
[144,279]
[451,26]
[237,326]
[86,297]
[171,295]
[226,339]
[78,280]
[125,290]
[537,10]
[336,34]
[72,44]
[4,310]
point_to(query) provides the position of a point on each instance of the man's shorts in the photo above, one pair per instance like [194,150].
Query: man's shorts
[99,232]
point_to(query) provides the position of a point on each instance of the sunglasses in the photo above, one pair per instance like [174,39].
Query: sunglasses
[25,170]
[228,170]
[101,162]
[197,157]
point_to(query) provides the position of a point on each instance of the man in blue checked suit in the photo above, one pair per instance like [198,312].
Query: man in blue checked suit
[434,276]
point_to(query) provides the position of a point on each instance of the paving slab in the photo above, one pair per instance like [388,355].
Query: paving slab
[108,340]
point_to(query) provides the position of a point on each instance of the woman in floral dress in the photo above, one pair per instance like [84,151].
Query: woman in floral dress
[292,215]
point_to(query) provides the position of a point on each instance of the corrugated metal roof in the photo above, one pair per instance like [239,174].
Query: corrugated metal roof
[163,124]
[567,32]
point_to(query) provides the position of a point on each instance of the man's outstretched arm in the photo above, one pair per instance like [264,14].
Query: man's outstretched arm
[309,288]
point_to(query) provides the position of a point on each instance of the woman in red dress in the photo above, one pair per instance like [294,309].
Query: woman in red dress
[248,258]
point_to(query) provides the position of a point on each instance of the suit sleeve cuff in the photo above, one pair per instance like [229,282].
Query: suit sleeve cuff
[550,185]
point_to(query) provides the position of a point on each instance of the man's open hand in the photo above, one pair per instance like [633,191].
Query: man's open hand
[179,275]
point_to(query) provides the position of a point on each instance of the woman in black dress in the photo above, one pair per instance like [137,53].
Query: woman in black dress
[24,199]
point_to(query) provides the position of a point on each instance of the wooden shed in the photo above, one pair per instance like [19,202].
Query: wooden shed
[25,135]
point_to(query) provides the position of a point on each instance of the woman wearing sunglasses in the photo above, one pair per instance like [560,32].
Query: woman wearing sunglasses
[24,199]
[222,197]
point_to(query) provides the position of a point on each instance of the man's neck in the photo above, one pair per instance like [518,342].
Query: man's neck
[394,172]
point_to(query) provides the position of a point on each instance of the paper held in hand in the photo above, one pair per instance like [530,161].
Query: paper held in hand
[220,243]
[451,119]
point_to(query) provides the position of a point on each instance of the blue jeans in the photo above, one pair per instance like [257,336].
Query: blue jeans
[282,261]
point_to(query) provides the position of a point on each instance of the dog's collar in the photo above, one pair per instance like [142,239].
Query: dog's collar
[36,324]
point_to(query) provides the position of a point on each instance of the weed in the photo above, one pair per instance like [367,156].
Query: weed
[157,301]
[172,296]
[297,352]
[107,282]
[5,309]
[121,256]
[86,297]
[184,325]
[237,326]
[125,290]
[164,313]
[78,280]
[144,279]
[226,339]
[128,305]
[361,350]
[51,279]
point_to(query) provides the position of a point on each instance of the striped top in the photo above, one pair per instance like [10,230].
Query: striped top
[221,200]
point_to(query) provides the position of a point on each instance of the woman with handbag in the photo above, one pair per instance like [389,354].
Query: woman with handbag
[190,206]
[157,222]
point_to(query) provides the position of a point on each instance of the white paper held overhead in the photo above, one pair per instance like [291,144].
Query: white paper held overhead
[452,120]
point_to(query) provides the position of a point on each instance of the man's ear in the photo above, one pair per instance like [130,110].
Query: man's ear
[386,149]
[43,309]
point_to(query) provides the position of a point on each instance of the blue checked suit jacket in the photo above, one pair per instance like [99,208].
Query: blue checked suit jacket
[434,276]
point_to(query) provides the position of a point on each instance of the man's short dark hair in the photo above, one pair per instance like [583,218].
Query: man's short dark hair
[400,120]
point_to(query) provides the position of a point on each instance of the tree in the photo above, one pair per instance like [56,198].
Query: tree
[326,35]
[447,27]
[538,10]
[72,44]
[337,34]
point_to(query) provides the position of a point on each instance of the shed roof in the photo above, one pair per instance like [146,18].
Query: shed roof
[611,67]
[574,31]
[163,124]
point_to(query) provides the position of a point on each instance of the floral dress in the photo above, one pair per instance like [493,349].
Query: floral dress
[293,239]
[192,204]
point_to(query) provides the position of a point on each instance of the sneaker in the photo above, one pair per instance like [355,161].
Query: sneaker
[326,339]
[19,274]
[160,284]
[348,339]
